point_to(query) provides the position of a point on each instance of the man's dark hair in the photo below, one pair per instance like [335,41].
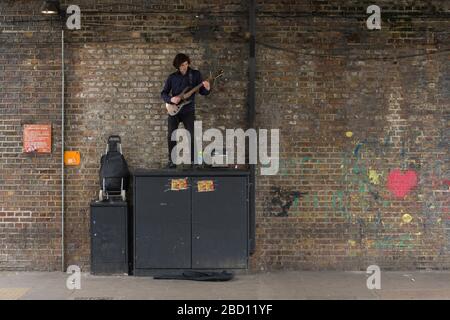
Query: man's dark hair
[180,59]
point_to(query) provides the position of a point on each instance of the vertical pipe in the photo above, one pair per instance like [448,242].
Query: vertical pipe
[251,116]
[62,149]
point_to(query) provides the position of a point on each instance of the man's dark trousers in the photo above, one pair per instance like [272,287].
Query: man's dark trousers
[188,119]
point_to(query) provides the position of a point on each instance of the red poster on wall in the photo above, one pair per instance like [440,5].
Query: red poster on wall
[37,138]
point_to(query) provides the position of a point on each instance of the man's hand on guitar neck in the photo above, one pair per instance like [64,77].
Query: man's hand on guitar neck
[206,85]
[177,99]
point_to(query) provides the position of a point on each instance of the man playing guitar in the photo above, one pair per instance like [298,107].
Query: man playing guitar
[173,87]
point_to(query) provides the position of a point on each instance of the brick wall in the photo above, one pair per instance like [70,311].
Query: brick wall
[347,119]
[30,93]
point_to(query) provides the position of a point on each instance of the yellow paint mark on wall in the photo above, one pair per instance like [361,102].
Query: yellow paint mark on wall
[370,243]
[374,176]
[352,243]
[407,218]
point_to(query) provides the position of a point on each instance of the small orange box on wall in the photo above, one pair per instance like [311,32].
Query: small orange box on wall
[72,158]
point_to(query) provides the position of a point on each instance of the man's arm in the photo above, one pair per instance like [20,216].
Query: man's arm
[166,90]
[203,91]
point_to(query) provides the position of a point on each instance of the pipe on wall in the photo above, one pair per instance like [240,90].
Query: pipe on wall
[251,116]
[62,150]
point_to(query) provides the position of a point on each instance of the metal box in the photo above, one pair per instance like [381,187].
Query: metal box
[109,238]
[190,220]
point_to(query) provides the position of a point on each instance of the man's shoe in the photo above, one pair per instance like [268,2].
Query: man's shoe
[171,165]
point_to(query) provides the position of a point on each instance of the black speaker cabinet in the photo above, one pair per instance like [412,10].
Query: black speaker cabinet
[109,238]
[190,220]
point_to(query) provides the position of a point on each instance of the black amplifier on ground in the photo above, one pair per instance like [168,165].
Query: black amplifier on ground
[109,237]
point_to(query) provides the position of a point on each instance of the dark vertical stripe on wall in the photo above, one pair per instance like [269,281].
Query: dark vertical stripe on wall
[251,115]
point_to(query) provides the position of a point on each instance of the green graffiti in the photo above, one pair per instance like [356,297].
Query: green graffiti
[403,242]
[296,201]
[355,169]
[362,187]
[338,196]
[339,204]
[407,238]
[316,202]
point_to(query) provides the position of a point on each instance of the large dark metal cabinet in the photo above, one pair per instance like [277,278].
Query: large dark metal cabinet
[109,243]
[188,228]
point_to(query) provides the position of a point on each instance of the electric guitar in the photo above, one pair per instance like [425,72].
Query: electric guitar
[184,96]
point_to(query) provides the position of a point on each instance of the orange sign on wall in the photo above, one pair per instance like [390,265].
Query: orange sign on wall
[37,138]
[72,158]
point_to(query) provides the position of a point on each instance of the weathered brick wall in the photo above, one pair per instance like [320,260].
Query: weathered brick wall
[115,75]
[347,120]
[30,93]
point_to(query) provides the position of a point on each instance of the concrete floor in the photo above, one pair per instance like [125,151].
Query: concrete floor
[271,286]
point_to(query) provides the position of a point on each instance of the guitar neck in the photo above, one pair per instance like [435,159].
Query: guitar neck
[194,89]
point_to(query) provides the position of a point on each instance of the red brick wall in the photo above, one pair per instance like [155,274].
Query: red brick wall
[397,110]
[114,82]
[30,93]
[315,82]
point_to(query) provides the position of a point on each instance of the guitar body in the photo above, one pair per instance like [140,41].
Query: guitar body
[174,109]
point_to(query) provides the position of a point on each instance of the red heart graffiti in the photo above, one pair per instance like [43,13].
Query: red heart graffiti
[401,183]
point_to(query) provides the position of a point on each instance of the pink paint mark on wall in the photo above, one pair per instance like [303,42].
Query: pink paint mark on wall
[400,184]
[447,182]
